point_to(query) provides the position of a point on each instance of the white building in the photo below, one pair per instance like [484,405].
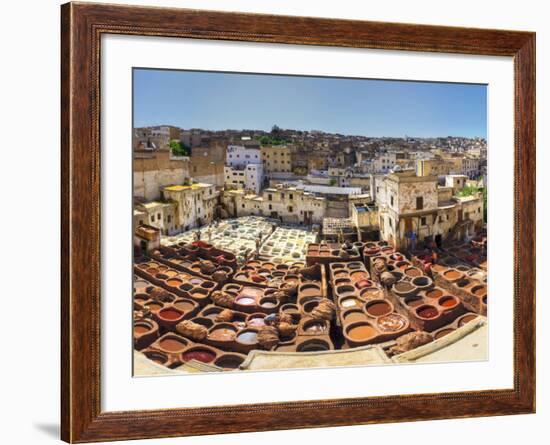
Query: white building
[239,155]
[243,169]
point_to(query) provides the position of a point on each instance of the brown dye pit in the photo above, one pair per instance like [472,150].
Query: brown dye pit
[175,282]
[427,312]
[201,355]
[357,276]
[222,334]
[452,275]
[170,314]
[362,332]
[434,293]
[310,290]
[184,306]
[251,292]
[443,333]
[414,302]
[172,344]
[448,302]
[378,309]
[154,306]
[480,291]
[352,317]
[141,329]
[404,287]
[412,272]
[466,319]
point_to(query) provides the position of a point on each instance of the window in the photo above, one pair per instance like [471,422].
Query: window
[158,216]
[270,198]
[169,219]
[391,199]
[270,206]
[290,196]
[140,221]
[419,203]
[152,218]
[290,209]
[243,206]
[282,196]
[423,221]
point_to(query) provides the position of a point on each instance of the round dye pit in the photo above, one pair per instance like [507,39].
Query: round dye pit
[448,302]
[427,312]
[378,308]
[170,314]
[153,307]
[443,333]
[141,328]
[174,282]
[359,275]
[246,301]
[157,357]
[466,319]
[413,272]
[391,323]
[434,293]
[452,275]
[256,322]
[403,287]
[354,316]
[172,344]
[421,282]
[315,327]
[414,301]
[184,306]
[229,361]
[313,346]
[222,334]
[201,355]
[362,332]
[248,337]
[350,302]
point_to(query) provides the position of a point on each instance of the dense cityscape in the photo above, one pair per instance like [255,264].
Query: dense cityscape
[291,241]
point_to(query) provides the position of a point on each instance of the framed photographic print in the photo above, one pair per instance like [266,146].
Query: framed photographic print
[276,222]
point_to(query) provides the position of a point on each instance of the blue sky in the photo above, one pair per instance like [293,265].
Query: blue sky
[217,101]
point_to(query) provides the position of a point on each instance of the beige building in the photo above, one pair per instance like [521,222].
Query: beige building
[289,204]
[195,204]
[155,169]
[276,158]
[206,164]
[157,214]
[413,208]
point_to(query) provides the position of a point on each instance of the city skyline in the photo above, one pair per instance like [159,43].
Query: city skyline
[360,107]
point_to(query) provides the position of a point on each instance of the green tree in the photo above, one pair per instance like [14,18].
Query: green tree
[179,148]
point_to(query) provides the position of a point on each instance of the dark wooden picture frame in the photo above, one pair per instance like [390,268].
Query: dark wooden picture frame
[82,26]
